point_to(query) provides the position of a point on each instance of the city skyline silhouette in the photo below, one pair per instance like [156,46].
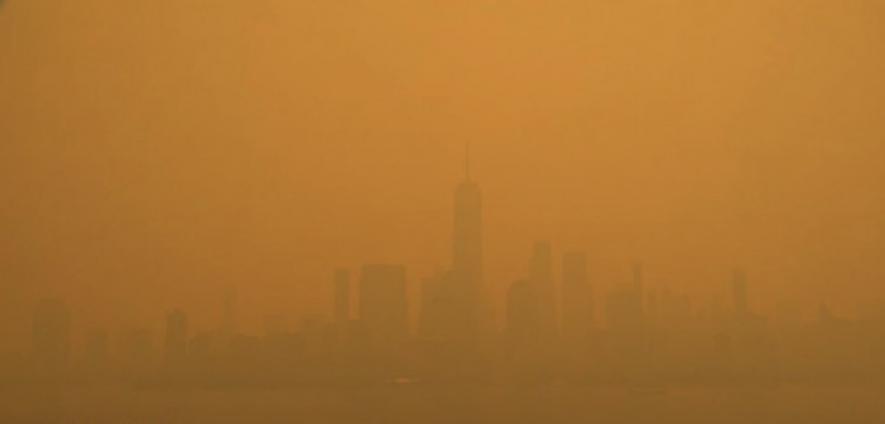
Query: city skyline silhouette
[644,338]
[463,211]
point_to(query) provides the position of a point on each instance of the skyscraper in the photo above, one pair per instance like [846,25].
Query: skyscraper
[522,312]
[383,309]
[577,298]
[136,350]
[435,315]
[455,309]
[541,280]
[625,307]
[467,254]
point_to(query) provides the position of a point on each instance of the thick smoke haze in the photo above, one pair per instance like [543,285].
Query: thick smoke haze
[442,211]
[155,153]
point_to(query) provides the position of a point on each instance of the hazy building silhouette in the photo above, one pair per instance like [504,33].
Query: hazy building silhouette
[460,308]
[523,311]
[136,351]
[51,335]
[176,340]
[751,355]
[541,280]
[674,309]
[383,309]
[623,311]
[434,315]
[625,318]
[625,307]
[467,252]
[577,297]
[530,352]
[455,311]
[204,347]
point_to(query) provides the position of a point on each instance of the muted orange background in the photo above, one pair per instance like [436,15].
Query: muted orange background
[153,153]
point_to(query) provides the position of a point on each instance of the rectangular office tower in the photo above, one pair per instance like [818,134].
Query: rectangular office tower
[383,309]
[577,298]
[541,280]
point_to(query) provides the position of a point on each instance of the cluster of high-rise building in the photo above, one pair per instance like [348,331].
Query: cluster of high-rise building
[549,331]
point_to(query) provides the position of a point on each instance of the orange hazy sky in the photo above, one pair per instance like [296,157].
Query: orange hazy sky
[154,152]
